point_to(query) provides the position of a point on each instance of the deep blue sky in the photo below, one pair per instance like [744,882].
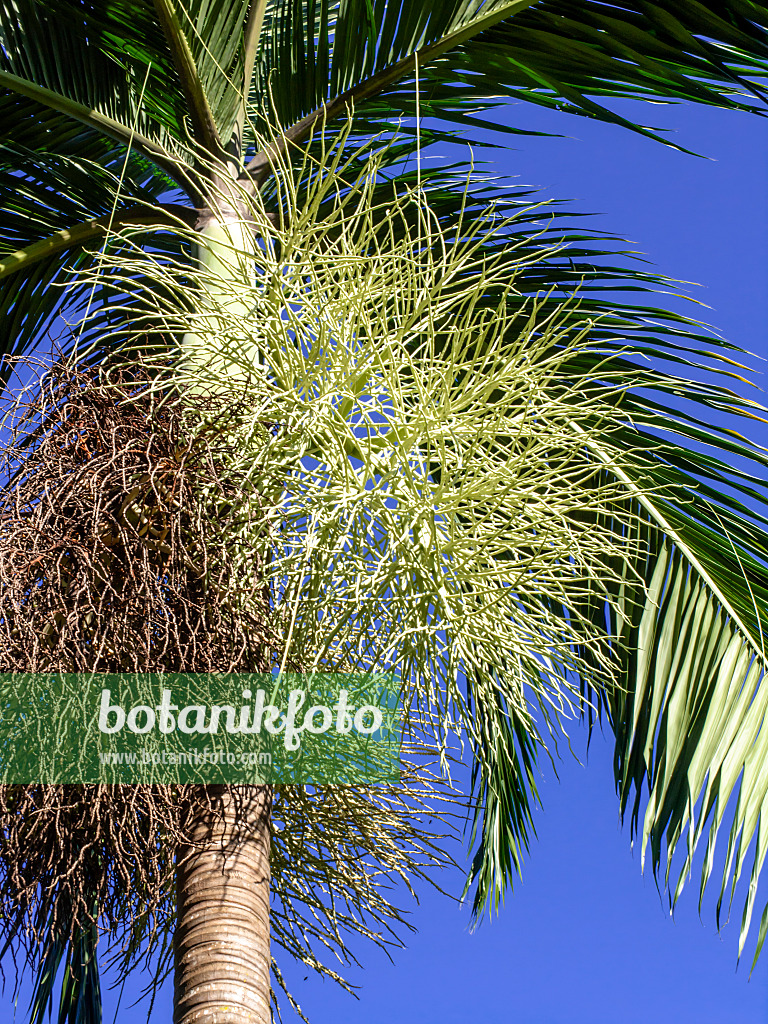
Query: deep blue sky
[585,938]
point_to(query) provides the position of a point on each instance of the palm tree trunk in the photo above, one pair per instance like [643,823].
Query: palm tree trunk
[221,944]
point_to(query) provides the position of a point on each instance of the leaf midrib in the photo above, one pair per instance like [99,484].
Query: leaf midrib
[260,166]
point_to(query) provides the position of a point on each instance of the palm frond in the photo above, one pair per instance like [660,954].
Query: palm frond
[80,985]
[320,58]
[505,797]
[213,44]
[340,55]
[563,55]
[59,209]
[110,70]
[690,717]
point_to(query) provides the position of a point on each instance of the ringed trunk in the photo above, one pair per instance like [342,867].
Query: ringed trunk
[221,943]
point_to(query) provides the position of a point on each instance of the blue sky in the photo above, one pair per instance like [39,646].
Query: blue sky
[585,938]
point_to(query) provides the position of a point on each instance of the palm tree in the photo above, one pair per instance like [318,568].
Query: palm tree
[159,146]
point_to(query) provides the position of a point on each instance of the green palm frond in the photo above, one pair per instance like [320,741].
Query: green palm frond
[563,55]
[59,209]
[505,796]
[314,53]
[691,723]
[136,69]
[214,47]
[80,992]
[110,71]
[319,58]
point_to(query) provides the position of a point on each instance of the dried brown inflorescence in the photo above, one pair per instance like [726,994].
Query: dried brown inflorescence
[113,558]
